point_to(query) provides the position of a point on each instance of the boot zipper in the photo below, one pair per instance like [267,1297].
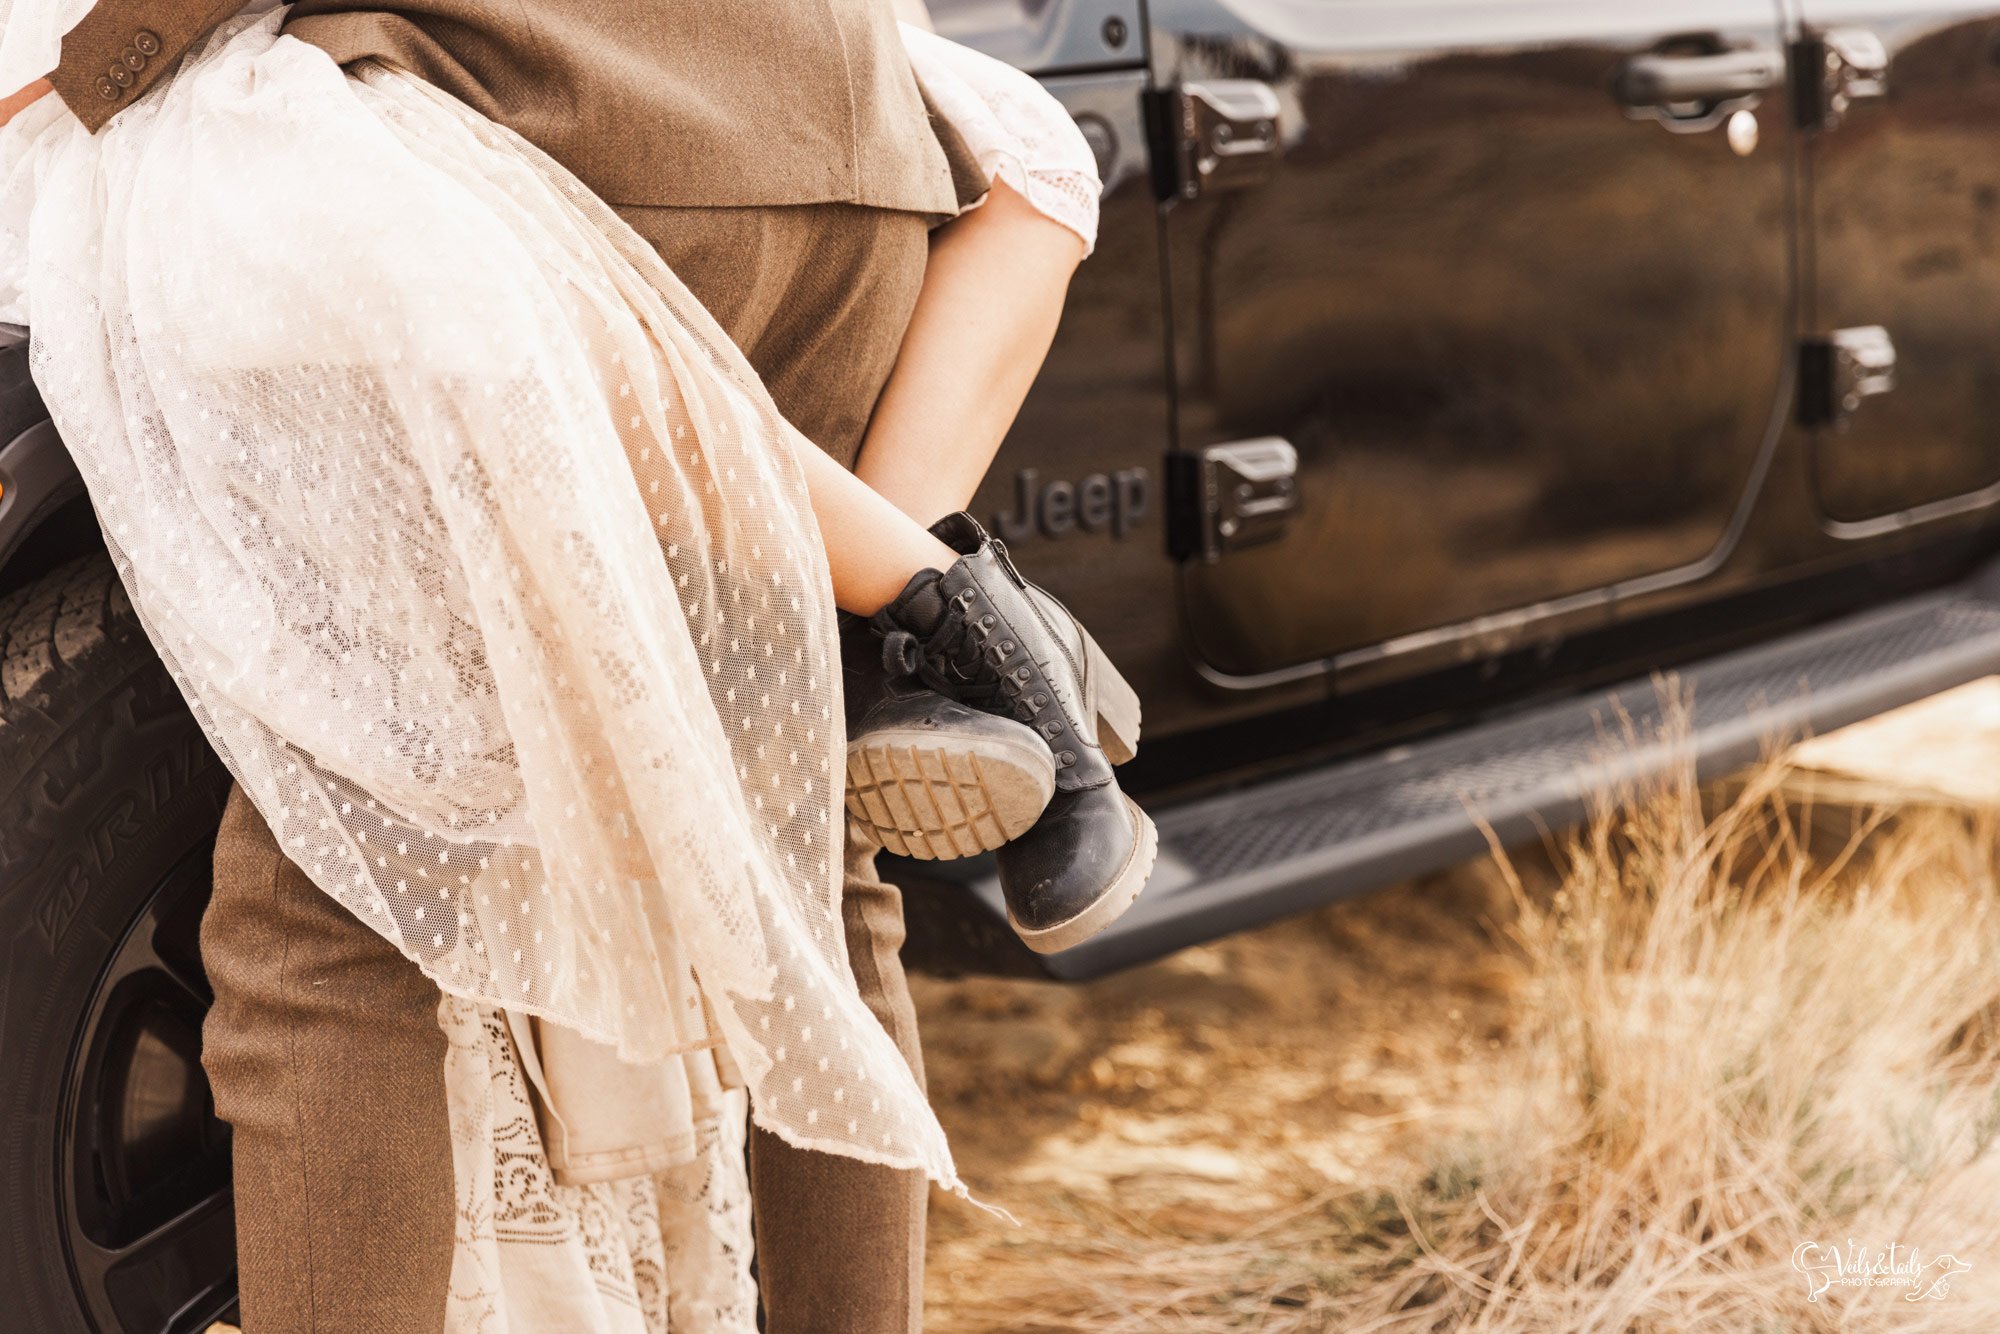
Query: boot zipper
[1007,563]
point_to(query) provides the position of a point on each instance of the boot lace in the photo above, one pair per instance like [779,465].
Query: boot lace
[954,660]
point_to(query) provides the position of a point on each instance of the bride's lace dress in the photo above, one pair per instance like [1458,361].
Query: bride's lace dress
[664,1251]
[485,562]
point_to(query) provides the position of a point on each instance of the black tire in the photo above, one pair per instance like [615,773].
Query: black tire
[114,1205]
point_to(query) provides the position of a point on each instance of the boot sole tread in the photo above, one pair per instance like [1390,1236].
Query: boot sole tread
[935,804]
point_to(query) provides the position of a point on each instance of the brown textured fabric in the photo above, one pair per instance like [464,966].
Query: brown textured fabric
[969,181]
[816,296]
[666,102]
[840,1243]
[325,1055]
[323,1045]
[122,47]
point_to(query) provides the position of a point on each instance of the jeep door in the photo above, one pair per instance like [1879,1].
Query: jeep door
[1512,280]
[1905,217]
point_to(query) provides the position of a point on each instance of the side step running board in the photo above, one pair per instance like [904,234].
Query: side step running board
[1251,855]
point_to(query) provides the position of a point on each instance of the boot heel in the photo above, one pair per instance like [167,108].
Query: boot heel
[1116,702]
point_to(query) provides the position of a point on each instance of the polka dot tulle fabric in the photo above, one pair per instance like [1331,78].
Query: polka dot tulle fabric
[478,551]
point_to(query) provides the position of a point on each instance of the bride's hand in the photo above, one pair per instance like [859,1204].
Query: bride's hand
[11,106]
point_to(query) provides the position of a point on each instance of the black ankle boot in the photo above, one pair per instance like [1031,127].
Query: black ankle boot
[982,635]
[928,777]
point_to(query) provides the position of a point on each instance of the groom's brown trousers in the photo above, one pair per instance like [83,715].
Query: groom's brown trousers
[323,1046]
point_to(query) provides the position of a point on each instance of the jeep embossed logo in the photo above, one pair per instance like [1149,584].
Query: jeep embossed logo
[1101,502]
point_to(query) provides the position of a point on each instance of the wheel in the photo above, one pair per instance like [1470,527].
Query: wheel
[115,1169]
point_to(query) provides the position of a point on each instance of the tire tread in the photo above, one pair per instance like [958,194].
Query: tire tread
[105,783]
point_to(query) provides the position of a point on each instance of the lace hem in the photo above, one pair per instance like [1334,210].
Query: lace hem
[1016,131]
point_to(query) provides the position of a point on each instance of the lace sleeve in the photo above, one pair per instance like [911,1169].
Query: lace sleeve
[1017,131]
[31,33]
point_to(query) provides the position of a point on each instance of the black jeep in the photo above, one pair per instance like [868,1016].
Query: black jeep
[1446,372]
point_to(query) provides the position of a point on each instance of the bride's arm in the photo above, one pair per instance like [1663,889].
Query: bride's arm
[993,293]
[994,289]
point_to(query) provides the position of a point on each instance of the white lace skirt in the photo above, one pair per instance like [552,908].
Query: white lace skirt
[665,1251]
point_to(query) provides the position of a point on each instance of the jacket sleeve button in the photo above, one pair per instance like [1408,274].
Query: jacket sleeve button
[119,75]
[133,58]
[147,42]
[107,90]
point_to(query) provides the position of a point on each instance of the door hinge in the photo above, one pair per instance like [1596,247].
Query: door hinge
[1834,69]
[1225,497]
[1216,134]
[1839,369]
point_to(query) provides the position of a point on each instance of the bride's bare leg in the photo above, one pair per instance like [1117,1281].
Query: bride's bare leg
[991,298]
[1023,752]
[872,548]
[993,292]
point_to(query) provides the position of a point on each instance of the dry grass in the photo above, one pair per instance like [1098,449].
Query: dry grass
[1732,1028]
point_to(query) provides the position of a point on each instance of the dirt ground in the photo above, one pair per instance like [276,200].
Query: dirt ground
[1198,1101]
[1195,1098]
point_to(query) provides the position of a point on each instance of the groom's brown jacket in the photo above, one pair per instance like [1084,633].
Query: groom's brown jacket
[648,102]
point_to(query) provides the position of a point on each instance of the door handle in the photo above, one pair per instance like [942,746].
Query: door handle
[1696,90]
